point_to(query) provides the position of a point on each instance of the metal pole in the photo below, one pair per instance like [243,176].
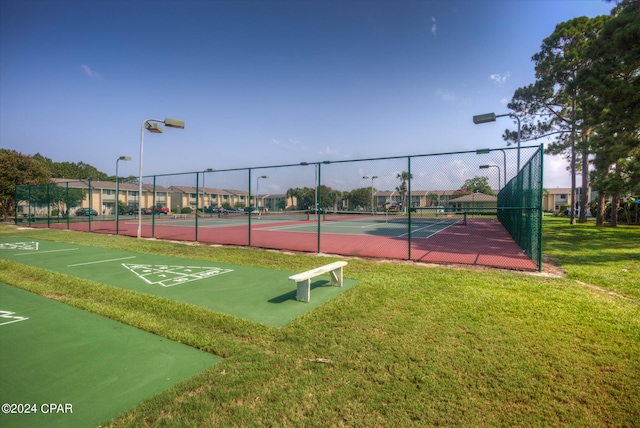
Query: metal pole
[140,180]
[317,202]
[117,194]
[504,171]
[519,132]
[249,212]
[409,213]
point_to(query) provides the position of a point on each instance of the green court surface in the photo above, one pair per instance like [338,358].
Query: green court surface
[64,367]
[361,223]
[261,295]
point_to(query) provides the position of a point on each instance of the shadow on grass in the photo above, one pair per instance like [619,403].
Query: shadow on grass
[291,295]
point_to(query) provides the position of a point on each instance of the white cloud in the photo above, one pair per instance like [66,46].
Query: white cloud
[555,172]
[500,78]
[433,27]
[328,151]
[89,72]
[504,101]
[446,96]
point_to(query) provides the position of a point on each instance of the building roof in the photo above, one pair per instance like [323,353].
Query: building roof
[475,197]
[99,184]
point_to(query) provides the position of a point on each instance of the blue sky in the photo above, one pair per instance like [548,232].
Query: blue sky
[266,82]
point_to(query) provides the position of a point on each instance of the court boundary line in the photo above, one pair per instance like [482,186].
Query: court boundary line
[101,261]
[48,251]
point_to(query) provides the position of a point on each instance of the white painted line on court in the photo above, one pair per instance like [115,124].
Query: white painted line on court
[50,251]
[437,225]
[102,261]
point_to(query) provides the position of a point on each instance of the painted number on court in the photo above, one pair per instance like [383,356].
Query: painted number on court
[32,246]
[7,317]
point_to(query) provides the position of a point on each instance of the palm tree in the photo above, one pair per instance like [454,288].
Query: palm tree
[404,176]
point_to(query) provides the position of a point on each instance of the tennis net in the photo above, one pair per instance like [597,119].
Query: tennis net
[448,218]
[301,215]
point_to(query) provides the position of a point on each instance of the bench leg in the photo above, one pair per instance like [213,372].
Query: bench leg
[304,290]
[336,277]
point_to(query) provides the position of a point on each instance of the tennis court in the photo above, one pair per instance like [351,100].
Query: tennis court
[260,295]
[391,225]
[454,237]
[64,367]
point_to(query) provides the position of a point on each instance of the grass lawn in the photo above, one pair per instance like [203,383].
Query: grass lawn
[409,345]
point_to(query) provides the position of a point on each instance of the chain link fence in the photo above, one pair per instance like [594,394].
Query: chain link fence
[468,207]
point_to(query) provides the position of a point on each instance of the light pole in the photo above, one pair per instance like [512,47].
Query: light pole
[493,166]
[373,177]
[491,117]
[203,196]
[121,158]
[504,161]
[258,193]
[154,128]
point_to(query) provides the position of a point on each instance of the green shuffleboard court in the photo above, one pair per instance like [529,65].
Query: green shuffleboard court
[64,367]
[261,295]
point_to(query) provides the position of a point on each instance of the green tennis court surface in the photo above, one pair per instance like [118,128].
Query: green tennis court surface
[70,368]
[261,295]
[339,222]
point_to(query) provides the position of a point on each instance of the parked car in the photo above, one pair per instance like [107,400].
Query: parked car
[159,209]
[130,209]
[86,212]
[391,206]
[146,211]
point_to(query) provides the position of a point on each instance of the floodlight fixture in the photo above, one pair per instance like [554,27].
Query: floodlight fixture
[484,118]
[154,128]
[174,123]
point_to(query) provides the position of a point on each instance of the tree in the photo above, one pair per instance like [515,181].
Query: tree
[359,197]
[477,185]
[306,197]
[404,176]
[551,105]
[433,198]
[70,170]
[613,85]
[17,169]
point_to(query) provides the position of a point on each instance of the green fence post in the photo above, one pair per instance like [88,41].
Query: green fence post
[153,209]
[317,201]
[66,206]
[409,211]
[540,212]
[249,208]
[90,202]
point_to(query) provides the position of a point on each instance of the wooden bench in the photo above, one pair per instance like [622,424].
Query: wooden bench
[303,280]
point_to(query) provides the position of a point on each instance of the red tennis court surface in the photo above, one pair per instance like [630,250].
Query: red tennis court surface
[482,241]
